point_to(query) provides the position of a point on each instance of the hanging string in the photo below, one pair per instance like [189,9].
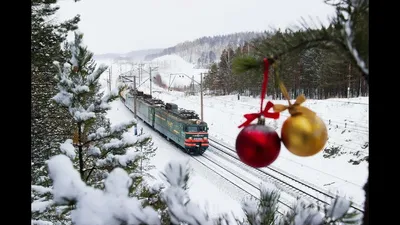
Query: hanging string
[294,108]
[273,115]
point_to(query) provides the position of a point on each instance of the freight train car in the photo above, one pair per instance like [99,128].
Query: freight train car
[181,126]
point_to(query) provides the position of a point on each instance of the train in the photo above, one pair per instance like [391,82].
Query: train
[181,126]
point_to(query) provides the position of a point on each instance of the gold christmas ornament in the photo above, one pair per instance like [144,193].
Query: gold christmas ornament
[303,133]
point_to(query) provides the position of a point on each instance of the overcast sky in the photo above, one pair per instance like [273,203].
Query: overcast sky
[120,26]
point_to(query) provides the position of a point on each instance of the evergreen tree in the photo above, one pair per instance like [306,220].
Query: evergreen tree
[97,147]
[49,123]
[210,78]
[147,151]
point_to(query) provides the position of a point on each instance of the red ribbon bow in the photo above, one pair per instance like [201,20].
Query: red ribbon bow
[273,115]
[252,116]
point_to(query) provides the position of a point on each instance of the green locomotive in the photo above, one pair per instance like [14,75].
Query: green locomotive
[181,126]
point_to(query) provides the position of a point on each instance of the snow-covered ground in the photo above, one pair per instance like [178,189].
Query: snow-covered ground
[216,198]
[346,119]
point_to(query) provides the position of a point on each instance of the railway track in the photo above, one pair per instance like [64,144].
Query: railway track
[284,181]
[232,177]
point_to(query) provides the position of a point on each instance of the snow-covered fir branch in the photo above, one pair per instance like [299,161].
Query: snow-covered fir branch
[94,206]
[78,81]
[102,133]
[349,37]
[181,209]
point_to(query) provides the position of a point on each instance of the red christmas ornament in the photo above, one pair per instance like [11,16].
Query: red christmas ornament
[258,145]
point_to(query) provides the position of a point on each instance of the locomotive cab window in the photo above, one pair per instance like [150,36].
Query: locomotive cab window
[203,128]
[191,129]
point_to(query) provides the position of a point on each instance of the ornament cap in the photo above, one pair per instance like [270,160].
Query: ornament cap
[261,120]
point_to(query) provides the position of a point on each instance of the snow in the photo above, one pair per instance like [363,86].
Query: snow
[173,70]
[308,216]
[129,156]
[80,89]
[130,138]
[83,115]
[338,208]
[118,184]
[117,160]
[41,222]
[179,205]
[41,189]
[267,188]
[41,206]
[63,97]
[204,188]
[100,133]
[175,65]
[346,119]
[68,149]
[95,207]
[67,183]
[94,151]
[175,174]
[122,126]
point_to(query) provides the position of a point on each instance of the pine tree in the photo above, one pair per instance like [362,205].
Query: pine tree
[346,35]
[49,123]
[147,151]
[97,147]
[210,78]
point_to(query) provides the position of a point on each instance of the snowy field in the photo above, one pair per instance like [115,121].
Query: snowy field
[213,197]
[346,119]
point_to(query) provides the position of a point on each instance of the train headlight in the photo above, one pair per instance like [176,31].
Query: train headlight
[205,138]
[190,138]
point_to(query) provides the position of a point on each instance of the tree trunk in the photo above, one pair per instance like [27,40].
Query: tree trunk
[80,150]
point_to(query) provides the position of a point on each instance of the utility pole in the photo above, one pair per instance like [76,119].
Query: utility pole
[192,86]
[151,77]
[201,97]
[348,87]
[140,72]
[109,80]
[151,81]
[134,96]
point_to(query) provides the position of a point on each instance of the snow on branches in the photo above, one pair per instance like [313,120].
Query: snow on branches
[128,140]
[94,206]
[113,204]
[180,208]
[68,149]
[78,84]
